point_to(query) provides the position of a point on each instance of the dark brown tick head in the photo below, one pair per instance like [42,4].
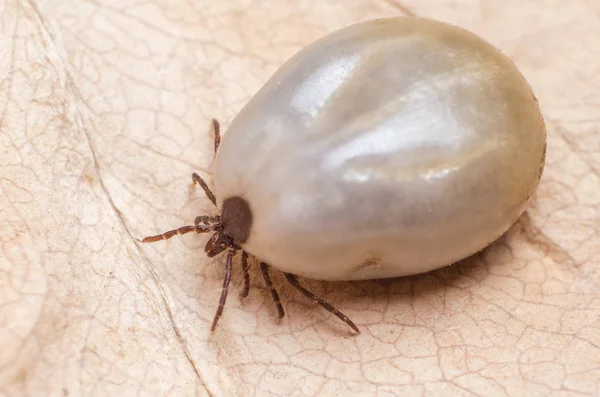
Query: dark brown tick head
[236,221]
[217,243]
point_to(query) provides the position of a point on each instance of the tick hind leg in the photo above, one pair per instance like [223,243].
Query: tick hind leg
[264,268]
[294,281]
[245,268]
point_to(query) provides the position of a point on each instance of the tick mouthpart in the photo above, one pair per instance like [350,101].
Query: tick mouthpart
[218,243]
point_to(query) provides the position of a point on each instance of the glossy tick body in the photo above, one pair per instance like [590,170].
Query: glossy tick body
[388,148]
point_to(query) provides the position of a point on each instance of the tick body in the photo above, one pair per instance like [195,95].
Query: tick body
[389,148]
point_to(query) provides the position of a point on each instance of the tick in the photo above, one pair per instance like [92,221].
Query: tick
[388,148]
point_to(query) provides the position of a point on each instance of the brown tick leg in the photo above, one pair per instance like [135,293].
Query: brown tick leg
[294,281]
[198,179]
[217,131]
[206,219]
[264,268]
[226,281]
[178,232]
[245,267]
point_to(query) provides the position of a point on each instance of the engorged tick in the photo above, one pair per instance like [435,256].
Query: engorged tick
[389,148]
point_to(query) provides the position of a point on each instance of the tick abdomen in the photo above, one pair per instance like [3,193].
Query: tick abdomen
[406,140]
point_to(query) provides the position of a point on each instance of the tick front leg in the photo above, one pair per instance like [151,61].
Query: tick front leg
[294,281]
[207,219]
[217,131]
[178,232]
[198,179]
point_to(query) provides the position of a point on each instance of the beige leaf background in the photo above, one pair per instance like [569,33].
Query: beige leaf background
[105,109]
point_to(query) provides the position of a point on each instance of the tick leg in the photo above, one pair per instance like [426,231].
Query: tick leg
[245,267]
[178,232]
[264,268]
[226,281]
[217,131]
[198,179]
[206,219]
[294,281]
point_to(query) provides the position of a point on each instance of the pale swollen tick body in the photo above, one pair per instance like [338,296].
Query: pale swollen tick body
[388,148]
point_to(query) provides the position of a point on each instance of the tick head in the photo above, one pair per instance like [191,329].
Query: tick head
[217,243]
